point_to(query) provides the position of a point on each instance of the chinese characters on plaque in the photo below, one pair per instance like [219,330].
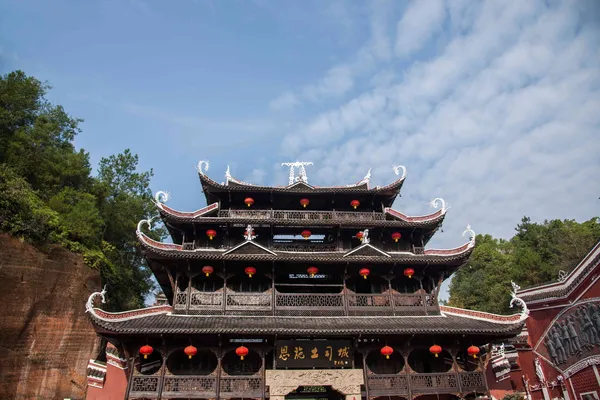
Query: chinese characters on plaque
[313,353]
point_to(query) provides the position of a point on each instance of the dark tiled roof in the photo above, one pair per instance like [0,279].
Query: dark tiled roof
[446,257]
[183,324]
[392,189]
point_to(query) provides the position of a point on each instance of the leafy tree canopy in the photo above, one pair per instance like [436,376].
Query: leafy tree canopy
[534,255]
[47,194]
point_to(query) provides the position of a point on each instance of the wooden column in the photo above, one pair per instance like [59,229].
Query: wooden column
[163,369]
[224,288]
[365,375]
[273,306]
[219,367]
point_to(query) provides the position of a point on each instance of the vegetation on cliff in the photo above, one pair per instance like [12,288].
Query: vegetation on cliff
[534,255]
[48,194]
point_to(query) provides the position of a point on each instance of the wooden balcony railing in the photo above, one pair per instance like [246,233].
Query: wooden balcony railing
[197,386]
[302,215]
[406,384]
[304,304]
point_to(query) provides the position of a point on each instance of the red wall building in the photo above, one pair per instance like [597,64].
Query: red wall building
[558,356]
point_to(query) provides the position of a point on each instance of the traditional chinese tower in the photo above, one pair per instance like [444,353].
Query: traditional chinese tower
[298,292]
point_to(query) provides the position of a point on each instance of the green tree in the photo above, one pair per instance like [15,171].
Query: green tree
[534,255]
[47,194]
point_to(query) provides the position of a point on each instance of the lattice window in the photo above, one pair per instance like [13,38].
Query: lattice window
[178,384]
[144,384]
[427,383]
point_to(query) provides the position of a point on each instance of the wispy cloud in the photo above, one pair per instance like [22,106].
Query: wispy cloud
[420,21]
[339,80]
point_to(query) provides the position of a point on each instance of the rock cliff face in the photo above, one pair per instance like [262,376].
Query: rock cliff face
[46,339]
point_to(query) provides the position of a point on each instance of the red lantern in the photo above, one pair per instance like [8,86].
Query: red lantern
[387,351]
[473,351]
[241,351]
[190,351]
[409,272]
[146,351]
[305,234]
[312,271]
[249,201]
[435,350]
[396,236]
[304,202]
[355,204]
[360,236]
[211,233]
[250,271]
[207,270]
[364,272]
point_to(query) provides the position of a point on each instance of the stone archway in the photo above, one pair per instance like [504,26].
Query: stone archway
[345,381]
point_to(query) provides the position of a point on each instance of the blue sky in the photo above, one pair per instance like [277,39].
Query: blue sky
[491,105]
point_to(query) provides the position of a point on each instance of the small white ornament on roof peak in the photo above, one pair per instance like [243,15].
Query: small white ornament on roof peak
[471,233]
[248,233]
[161,197]
[201,164]
[302,171]
[438,202]
[365,238]
[398,168]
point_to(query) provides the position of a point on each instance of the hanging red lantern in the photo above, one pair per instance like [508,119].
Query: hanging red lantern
[387,351]
[409,272]
[146,351]
[250,271]
[304,202]
[435,350]
[305,234]
[355,204]
[190,351]
[207,270]
[473,351]
[312,271]
[211,233]
[396,236]
[248,201]
[364,272]
[360,235]
[241,351]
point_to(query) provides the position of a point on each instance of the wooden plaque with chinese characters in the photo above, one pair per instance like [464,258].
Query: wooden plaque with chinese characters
[314,353]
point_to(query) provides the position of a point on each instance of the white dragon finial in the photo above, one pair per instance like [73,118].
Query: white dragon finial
[518,301]
[471,233]
[89,306]
[228,176]
[249,233]
[397,169]
[206,165]
[302,171]
[562,275]
[147,222]
[438,202]
[365,238]
[161,197]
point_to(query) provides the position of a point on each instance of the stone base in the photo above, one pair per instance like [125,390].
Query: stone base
[345,381]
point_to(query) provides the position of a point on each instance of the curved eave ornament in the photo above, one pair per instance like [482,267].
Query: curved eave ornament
[518,301]
[440,203]
[202,167]
[470,232]
[161,197]
[89,306]
[397,169]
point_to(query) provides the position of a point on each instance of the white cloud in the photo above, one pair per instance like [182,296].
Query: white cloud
[340,79]
[420,21]
[501,122]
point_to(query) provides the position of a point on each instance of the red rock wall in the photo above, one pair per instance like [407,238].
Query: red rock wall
[46,339]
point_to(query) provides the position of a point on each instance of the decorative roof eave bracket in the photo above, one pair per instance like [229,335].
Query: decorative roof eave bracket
[518,301]
[435,203]
[122,316]
[462,249]
[161,197]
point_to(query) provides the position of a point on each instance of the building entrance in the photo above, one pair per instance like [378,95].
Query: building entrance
[314,393]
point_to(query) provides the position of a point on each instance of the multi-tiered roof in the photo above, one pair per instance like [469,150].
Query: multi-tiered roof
[350,228]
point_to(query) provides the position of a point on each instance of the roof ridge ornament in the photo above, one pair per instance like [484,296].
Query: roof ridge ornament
[302,171]
[89,305]
[364,180]
[161,197]
[147,222]
[204,163]
[438,202]
[397,168]
[518,301]
[472,235]
[365,238]
[249,233]
[228,176]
